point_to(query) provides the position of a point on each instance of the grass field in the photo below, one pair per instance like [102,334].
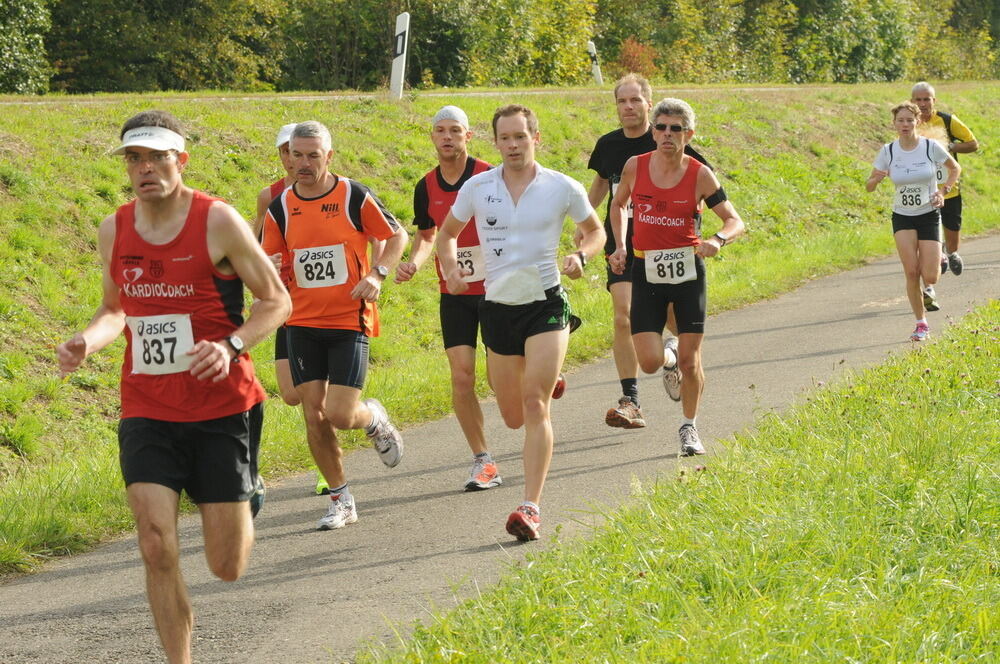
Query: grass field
[861,526]
[793,161]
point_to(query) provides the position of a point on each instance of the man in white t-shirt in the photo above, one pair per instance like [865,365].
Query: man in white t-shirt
[519,209]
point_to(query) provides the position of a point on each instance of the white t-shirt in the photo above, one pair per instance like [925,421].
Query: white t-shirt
[526,235]
[913,173]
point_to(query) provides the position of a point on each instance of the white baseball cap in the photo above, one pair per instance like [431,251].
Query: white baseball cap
[284,134]
[451,113]
[154,138]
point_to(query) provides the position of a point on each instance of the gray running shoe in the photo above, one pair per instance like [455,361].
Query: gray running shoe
[484,475]
[955,263]
[672,375]
[341,512]
[930,299]
[690,441]
[257,497]
[386,438]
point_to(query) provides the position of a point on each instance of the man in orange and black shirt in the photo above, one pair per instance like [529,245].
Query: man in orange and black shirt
[323,222]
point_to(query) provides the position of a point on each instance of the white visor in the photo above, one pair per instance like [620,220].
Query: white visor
[154,138]
[284,135]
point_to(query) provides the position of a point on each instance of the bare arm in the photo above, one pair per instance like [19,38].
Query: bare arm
[370,285]
[619,215]
[874,178]
[954,170]
[423,244]
[447,252]
[732,223]
[109,319]
[263,200]
[591,234]
[964,147]
[231,244]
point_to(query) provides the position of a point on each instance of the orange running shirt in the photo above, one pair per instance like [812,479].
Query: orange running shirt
[327,240]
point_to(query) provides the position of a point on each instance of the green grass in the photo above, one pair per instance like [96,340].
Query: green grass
[793,161]
[861,526]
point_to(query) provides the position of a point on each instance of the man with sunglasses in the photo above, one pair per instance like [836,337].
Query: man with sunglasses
[174,264]
[666,188]
[633,96]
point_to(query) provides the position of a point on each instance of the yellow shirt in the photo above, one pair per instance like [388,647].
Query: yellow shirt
[935,128]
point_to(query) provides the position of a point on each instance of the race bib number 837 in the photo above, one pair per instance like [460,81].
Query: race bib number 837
[160,343]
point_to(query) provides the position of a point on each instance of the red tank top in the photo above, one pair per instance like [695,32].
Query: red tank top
[439,204]
[285,272]
[173,297]
[277,188]
[665,218]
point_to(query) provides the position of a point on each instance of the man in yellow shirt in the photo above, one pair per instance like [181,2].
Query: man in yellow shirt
[937,124]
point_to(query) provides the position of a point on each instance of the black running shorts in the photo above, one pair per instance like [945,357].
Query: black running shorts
[507,326]
[625,276]
[460,319]
[927,225]
[280,344]
[339,357]
[214,461]
[951,213]
[649,301]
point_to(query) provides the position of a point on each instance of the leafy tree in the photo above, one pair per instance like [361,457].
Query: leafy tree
[23,66]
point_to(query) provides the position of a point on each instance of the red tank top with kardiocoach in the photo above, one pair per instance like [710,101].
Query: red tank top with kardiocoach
[665,218]
[173,296]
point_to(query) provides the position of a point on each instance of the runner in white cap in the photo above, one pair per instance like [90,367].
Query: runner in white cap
[433,197]
[174,264]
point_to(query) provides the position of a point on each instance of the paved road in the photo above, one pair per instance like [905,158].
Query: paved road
[421,543]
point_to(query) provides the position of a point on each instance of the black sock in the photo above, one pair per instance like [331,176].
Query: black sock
[630,388]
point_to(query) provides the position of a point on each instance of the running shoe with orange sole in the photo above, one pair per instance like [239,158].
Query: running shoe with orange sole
[524,523]
[626,415]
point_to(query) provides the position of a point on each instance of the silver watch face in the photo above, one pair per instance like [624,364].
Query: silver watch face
[382,270]
[236,343]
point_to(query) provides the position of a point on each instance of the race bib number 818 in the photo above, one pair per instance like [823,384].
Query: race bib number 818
[670,266]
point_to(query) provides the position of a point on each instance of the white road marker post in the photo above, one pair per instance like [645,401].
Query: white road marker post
[399,47]
[595,66]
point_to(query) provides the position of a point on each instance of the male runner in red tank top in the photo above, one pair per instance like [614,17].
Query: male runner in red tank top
[175,261]
[433,197]
[666,188]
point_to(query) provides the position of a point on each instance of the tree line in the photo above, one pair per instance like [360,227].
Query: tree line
[82,46]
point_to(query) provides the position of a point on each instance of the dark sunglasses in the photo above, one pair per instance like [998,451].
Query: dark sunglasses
[674,128]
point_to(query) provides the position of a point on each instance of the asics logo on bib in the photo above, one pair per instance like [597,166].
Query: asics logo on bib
[317,255]
[669,256]
[145,328]
[158,290]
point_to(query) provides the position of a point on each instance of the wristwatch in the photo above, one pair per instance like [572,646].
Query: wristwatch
[236,344]
[382,270]
[723,239]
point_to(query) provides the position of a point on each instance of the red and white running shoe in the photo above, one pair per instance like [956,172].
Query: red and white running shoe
[524,523]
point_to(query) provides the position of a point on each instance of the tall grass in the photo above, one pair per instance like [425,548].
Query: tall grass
[861,526]
[792,161]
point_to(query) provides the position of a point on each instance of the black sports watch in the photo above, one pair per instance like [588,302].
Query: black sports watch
[236,344]
[382,270]
[722,239]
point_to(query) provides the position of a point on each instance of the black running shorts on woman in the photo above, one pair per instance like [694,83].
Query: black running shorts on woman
[507,326]
[927,226]
[210,460]
[339,357]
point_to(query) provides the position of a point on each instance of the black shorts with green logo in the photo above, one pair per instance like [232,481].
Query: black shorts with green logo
[507,326]
[214,461]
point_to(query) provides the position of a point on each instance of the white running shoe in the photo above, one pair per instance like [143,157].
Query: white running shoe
[690,441]
[671,372]
[387,440]
[483,475]
[341,512]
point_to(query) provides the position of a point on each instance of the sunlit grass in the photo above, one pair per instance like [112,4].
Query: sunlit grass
[861,526]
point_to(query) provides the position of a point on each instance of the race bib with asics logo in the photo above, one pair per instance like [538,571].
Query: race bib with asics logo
[670,266]
[319,267]
[912,196]
[471,260]
[160,343]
